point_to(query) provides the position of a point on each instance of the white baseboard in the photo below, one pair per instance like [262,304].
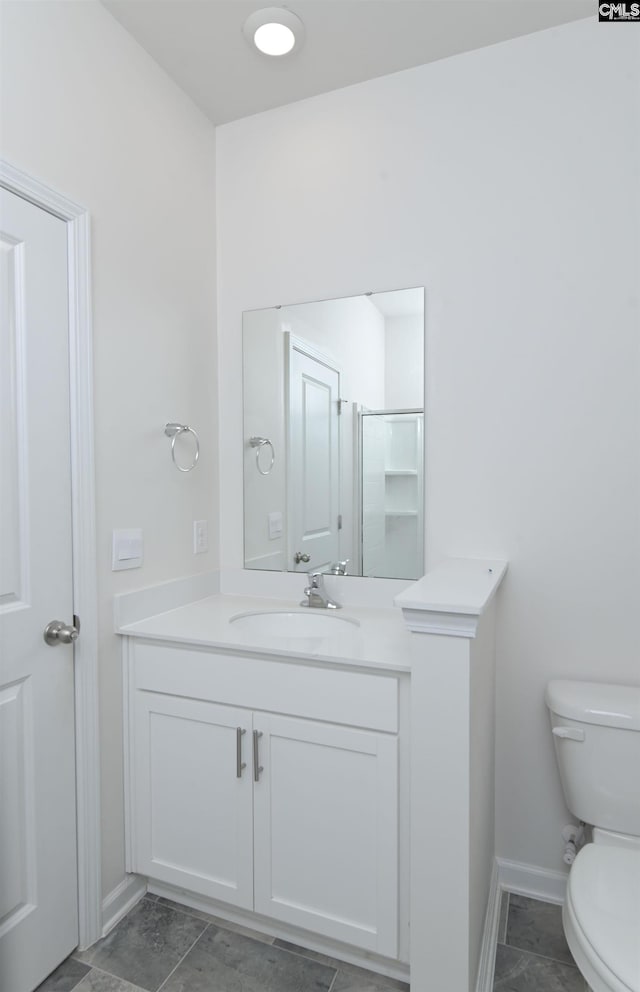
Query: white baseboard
[528,880]
[487,962]
[120,900]
[525,880]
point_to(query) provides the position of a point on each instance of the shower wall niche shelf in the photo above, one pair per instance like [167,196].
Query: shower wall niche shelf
[403,491]
[392,492]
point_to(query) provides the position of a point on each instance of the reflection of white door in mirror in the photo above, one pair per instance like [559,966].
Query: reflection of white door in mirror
[298,360]
[314,457]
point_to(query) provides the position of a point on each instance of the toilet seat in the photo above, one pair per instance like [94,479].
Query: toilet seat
[601,917]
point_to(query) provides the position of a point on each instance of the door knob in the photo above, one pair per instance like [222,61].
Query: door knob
[299,556]
[58,632]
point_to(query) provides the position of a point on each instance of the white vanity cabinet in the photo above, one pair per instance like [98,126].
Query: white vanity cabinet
[325,830]
[268,785]
[192,813]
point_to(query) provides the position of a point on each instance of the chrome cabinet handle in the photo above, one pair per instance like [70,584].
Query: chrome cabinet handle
[257,767]
[299,556]
[58,632]
[240,764]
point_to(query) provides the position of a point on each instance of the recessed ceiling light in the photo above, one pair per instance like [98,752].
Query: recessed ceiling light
[274,31]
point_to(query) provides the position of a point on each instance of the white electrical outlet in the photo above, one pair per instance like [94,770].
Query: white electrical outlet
[200,537]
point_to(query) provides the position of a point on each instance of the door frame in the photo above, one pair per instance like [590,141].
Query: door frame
[85,598]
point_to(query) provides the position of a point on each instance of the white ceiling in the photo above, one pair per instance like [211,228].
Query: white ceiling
[201,45]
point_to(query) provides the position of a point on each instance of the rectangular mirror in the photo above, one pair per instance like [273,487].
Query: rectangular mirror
[334,436]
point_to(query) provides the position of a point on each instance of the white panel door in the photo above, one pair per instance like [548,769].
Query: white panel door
[314,460]
[38,891]
[326,830]
[193,796]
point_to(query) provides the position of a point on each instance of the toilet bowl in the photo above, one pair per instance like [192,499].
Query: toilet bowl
[601,917]
[596,732]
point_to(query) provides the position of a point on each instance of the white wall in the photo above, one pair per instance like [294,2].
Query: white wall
[503,181]
[350,331]
[264,416]
[85,110]
[404,361]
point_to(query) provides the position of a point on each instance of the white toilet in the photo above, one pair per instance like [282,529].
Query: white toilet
[596,730]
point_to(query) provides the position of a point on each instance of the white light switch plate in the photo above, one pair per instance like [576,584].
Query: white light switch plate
[200,537]
[127,549]
[275,526]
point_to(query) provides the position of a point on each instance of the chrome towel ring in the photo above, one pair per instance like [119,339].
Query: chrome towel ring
[259,443]
[173,431]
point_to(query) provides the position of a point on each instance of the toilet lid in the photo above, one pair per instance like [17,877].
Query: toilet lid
[604,888]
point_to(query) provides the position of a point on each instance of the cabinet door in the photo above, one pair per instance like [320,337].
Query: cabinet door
[192,801]
[326,830]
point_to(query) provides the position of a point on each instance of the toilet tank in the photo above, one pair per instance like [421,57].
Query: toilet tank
[596,733]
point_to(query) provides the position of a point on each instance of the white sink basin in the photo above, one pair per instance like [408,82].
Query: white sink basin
[298,624]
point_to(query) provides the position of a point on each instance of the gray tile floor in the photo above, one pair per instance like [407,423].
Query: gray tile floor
[160,945]
[532,954]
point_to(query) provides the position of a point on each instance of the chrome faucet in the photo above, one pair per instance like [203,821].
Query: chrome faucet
[316,594]
[339,567]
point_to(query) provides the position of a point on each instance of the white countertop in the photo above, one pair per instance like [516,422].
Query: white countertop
[456,585]
[381,641]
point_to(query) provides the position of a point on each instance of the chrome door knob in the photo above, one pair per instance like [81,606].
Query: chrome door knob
[299,556]
[58,632]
